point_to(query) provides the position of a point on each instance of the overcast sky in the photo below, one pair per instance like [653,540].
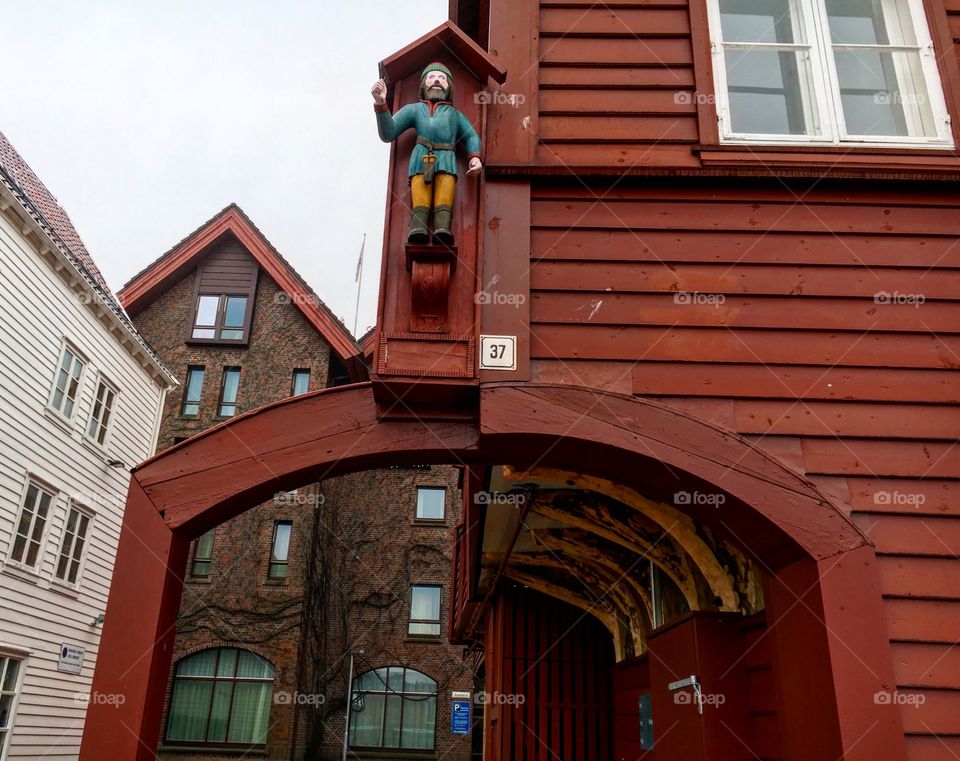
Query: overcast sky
[146,118]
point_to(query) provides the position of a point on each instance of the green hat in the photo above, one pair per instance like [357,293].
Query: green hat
[436,66]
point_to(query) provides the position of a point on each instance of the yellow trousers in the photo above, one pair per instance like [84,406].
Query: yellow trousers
[440,192]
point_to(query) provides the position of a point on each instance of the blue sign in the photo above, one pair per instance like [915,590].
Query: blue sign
[460,717]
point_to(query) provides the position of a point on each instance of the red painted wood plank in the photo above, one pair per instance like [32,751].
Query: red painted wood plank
[743,346]
[609,376]
[675,77]
[794,280]
[922,620]
[601,20]
[736,311]
[939,713]
[737,247]
[928,748]
[785,215]
[914,497]
[928,578]
[618,129]
[881,458]
[563,156]
[919,665]
[652,51]
[794,382]
[847,419]
[912,535]
[639,101]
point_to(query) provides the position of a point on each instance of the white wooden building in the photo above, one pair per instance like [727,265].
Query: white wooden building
[80,400]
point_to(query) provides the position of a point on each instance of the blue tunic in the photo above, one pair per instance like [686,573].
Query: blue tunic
[447,125]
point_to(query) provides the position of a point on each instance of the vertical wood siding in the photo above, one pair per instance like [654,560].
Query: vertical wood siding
[37,311]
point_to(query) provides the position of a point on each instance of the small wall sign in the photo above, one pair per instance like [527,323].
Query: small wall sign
[498,352]
[460,717]
[71,658]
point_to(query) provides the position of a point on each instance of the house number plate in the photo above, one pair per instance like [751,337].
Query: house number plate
[498,352]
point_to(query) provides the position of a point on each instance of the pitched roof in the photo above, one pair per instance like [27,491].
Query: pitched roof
[53,221]
[46,206]
[144,287]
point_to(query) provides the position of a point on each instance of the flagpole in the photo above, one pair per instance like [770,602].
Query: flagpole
[359,279]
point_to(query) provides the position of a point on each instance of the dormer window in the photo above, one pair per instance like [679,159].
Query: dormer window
[226,284]
[835,72]
[221,317]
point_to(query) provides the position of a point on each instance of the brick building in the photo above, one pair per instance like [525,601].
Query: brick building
[277,598]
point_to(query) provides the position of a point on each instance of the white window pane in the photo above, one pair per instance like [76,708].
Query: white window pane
[207,310]
[862,22]
[758,21]
[874,100]
[430,503]
[425,603]
[235,310]
[767,90]
[281,541]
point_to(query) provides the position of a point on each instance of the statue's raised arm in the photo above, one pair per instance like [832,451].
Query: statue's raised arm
[433,162]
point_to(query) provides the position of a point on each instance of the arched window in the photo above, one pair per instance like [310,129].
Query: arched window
[393,707]
[220,697]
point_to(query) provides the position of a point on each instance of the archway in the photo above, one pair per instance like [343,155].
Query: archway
[826,596]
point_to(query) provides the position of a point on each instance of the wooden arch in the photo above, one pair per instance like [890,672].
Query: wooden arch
[826,590]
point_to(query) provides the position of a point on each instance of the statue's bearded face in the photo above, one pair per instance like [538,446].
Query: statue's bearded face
[435,86]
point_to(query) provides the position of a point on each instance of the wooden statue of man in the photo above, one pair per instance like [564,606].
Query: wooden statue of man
[433,163]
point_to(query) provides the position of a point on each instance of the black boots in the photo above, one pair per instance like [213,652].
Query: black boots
[442,216]
[419,234]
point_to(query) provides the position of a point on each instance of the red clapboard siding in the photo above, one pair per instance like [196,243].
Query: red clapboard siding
[687,309]
[618,129]
[929,578]
[604,77]
[912,535]
[602,21]
[738,247]
[649,51]
[585,101]
[926,665]
[889,495]
[743,346]
[923,620]
[566,155]
[925,748]
[760,280]
[794,382]
[859,457]
[938,714]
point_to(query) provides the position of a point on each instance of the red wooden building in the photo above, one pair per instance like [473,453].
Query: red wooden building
[697,344]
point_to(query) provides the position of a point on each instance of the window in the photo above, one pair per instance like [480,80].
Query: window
[67,382]
[221,317]
[30,526]
[393,707]
[431,503]
[202,556]
[228,392]
[9,679]
[221,697]
[191,392]
[830,71]
[71,546]
[424,611]
[280,550]
[301,382]
[102,409]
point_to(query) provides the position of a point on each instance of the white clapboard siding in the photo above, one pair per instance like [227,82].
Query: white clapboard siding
[37,312]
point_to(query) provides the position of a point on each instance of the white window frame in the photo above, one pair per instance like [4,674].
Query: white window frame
[827,116]
[21,658]
[82,510]
[92,437]
[42,487]
[65,345]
